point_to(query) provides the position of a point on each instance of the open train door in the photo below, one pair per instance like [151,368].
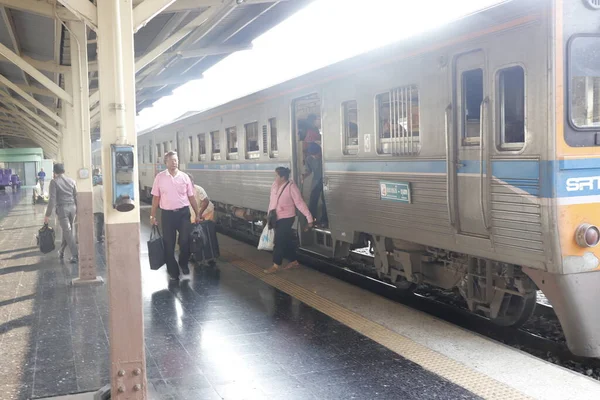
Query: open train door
[306,115]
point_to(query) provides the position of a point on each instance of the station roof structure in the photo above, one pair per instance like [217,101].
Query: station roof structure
[173,45]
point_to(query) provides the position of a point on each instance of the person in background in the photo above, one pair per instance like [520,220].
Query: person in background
[63,197]
[41,178]
[174,193]
[206,207]
[98,194]
[314,167]
[285,198]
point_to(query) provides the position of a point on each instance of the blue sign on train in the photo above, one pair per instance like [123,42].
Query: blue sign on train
[395,191]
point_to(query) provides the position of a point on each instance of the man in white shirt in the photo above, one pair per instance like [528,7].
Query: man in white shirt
[98,195]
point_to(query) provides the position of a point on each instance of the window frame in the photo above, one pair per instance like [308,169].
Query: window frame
[273,153]
[190,143]
[201,156]
[501,146]
[215,156]
[470,141]
[419,139]
[569,84]
[343,129]
[249,153]
[229,155]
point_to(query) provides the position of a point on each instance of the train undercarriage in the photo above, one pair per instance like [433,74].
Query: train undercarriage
[499,291]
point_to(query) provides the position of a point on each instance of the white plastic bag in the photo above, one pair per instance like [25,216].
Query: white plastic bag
[267,239]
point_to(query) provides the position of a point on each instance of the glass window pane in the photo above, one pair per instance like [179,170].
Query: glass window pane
[511,90]
[350,127]
[472,93]
[585,82]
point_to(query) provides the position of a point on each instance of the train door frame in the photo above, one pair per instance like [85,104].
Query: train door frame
[470,157]
[306,238]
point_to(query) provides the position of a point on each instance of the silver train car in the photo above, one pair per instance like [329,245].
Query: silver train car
[468,158]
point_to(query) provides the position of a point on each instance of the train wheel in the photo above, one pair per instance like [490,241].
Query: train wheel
[516,310]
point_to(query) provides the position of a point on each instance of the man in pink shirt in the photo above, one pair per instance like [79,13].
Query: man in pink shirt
[174,193]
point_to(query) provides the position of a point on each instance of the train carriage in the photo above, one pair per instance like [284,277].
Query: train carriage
[467,157]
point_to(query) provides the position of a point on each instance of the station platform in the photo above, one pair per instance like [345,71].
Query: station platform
[232,332]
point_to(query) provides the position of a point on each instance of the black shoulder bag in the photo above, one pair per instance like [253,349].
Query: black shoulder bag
[272,216]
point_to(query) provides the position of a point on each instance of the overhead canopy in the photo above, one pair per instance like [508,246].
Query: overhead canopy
[175,42]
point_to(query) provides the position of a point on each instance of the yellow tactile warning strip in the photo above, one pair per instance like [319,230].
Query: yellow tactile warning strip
[476,382]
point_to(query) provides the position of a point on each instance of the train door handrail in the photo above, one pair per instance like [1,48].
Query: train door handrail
[482,123]
[449,168]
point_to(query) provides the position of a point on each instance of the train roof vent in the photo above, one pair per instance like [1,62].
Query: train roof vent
[593,4]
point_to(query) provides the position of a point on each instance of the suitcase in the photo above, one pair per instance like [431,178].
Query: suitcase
[203,242]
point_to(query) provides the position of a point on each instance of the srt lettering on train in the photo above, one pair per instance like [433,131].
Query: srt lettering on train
[585,183]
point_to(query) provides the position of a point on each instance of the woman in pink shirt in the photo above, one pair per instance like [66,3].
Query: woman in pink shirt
[285,198]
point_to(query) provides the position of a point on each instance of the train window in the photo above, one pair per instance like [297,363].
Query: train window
[273,136]
[158,153]
[215,142]
[252,146]
[150,154]
[511,92]
[191,147]
[201,146]
[398,121]
[232,143]
[265,140]
[350,127]
[584,74]
[472,96]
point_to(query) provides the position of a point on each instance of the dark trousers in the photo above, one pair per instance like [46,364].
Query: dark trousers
[313,203]
[284,241]
[99,221]
[173,222]
[66,217]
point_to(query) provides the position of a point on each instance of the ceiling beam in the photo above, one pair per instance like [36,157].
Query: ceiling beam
[194,5]
[214,16]
[84,10]
[37,90]
[33,115]
[42,8]
[10,26]
[177,80]
[37,75]
[147,10]
[30,99]
[48,66]
[152,97]
[207,51]
[173,39]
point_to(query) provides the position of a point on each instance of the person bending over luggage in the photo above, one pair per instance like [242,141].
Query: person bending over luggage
[285,198]
[63,197]
[206,207]
[314,167]
[174,193]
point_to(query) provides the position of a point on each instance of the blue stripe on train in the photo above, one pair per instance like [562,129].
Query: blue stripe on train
[545,179]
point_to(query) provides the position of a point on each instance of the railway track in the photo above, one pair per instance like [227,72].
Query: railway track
[541,336]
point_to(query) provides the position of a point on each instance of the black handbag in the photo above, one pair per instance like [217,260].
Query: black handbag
[46,237]
[272,215]
[156,249]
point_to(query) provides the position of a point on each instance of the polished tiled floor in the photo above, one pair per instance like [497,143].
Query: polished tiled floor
[224,334]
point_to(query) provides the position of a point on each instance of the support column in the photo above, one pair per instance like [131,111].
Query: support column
[117,126]
[78,153]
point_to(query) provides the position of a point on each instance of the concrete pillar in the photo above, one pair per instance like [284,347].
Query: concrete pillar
[76,150]
[117,126]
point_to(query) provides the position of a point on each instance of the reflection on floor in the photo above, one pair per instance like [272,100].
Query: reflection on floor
[224,334]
